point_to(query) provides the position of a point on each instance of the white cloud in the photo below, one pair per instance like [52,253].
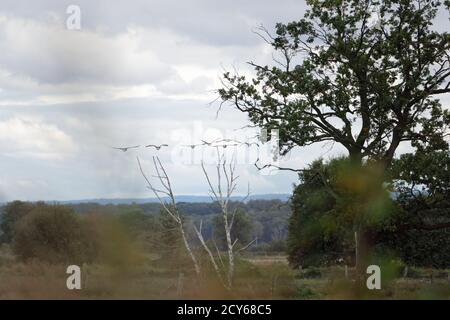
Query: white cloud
[51,54]
[32,138]
[43,63]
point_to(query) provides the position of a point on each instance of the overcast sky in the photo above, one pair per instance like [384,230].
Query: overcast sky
[138,72]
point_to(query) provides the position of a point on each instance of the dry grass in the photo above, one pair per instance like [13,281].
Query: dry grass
[258,277]
[267,260]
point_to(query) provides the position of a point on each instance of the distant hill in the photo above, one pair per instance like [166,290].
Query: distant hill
[180,198]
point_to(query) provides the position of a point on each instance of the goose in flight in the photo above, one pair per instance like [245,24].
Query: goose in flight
[192,146]
[157,147]
[208,143]
[249,144]
[125,149]
[227,145]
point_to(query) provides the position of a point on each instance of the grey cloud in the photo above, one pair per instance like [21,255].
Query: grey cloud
[144,70]
[51,55]
[214,22]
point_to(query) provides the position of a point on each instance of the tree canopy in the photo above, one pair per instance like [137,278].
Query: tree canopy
[364,74]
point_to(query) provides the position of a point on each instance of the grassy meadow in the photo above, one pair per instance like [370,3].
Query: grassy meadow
[258,276]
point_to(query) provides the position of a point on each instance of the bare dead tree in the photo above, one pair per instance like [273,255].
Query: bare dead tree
[221,193]
[199,234]
[170,208]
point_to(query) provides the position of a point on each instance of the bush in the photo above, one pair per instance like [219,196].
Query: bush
[12,213]
[53,234]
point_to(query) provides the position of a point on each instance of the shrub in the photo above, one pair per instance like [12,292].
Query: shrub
[12,213]
[53,234]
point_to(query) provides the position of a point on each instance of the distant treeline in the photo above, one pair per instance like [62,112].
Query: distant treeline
[265,220]
[88,230]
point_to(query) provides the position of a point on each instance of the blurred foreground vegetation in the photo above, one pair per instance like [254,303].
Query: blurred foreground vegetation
[127,252]
[258,277]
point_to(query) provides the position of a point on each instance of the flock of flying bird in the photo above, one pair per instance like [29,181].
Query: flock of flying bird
[230,143]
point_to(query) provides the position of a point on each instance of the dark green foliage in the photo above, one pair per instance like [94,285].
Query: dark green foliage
[421,248]
[307,293]
[421,235]
[54,234]
[12,213]
[314,239]
[413,224]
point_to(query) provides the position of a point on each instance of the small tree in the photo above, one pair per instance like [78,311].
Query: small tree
[12,213]
[226,185]
[53,234]
[221,192]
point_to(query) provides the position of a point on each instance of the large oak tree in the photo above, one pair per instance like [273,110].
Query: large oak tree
[364,74]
